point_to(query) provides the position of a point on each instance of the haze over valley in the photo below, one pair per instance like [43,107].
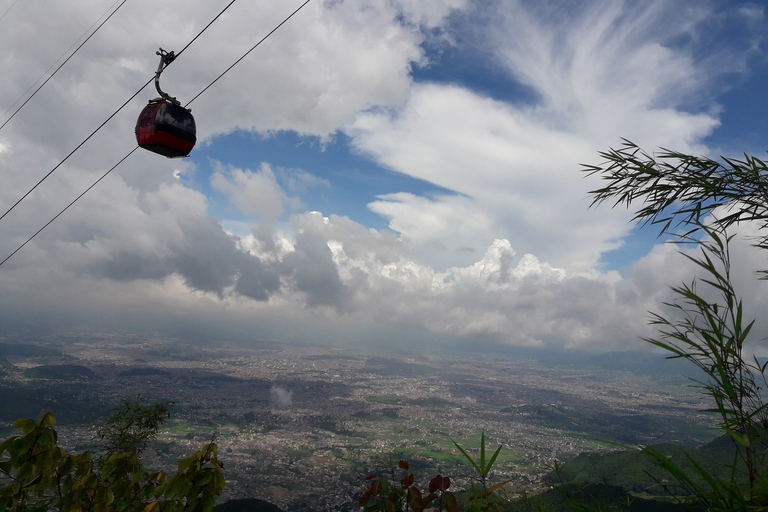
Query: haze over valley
[301,426]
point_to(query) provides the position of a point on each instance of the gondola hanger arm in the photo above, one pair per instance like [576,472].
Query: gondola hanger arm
[165,59]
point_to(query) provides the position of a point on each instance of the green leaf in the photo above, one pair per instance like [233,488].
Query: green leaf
[21,445]
[25,424]
[466,456]
[4,445]
[482,452]
[188,462]
[208,501]
[497,486]
[492,461]
[740,439]
[181,486]
[204,478]
[48,420]
[25,471]
[220,482]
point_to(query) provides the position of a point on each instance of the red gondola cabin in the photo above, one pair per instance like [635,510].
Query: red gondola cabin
[166,129]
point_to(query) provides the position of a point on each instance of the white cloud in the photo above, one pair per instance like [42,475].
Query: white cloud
[313,75]
[429,14]
[366,275]
[253,193]
[280,396]
[608,67]
[509,256]
[598,72]
[518,177]
[443,229]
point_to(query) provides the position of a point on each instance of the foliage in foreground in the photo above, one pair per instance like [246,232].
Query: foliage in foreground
[397,492]
[636,472]
[39,476]
[705,325]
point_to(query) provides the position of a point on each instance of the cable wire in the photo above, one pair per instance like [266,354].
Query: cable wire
[8,9]
[14,205]
[57,69]
[249,51]
[205,28]
[137,147]
[70,204]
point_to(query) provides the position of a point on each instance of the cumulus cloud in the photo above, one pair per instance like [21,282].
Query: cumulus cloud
[448,226]
[254,193]
[508,251]
[144,223]
[503,297]
[597,72]
[515,176]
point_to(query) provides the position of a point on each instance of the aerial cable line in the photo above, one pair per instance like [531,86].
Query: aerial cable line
[137,147]
[8,9]
[57,69]
[14,205]
[205,28]
[70,204]
[249,51]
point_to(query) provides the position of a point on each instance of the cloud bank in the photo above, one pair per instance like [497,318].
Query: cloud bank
[508,252]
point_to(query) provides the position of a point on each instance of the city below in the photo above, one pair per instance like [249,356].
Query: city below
[301,427]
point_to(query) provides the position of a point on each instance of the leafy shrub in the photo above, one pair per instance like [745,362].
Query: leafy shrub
[706,324]
[398,492]
[40,476]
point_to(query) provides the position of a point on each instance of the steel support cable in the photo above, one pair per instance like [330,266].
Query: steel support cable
[205,28]
[14,205]
[137,147]
[249,51]
[57,69]
[78,48]
[70,204]
[8,9]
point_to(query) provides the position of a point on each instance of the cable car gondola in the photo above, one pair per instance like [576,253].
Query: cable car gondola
[164,126]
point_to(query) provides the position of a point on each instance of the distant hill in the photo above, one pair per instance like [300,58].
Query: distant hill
[615,426]
[637,472]
[59,372]
[26,350]
[5,366]
[247,505]
[73,402]
[143,372]
[578,498]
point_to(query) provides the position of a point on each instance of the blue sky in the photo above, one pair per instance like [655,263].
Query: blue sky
[352,180]
[375,170]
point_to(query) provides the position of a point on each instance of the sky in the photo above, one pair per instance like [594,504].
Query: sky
[377,172]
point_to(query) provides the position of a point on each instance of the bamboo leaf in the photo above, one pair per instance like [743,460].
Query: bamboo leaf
[466,456]
[482,452]
[493,460]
